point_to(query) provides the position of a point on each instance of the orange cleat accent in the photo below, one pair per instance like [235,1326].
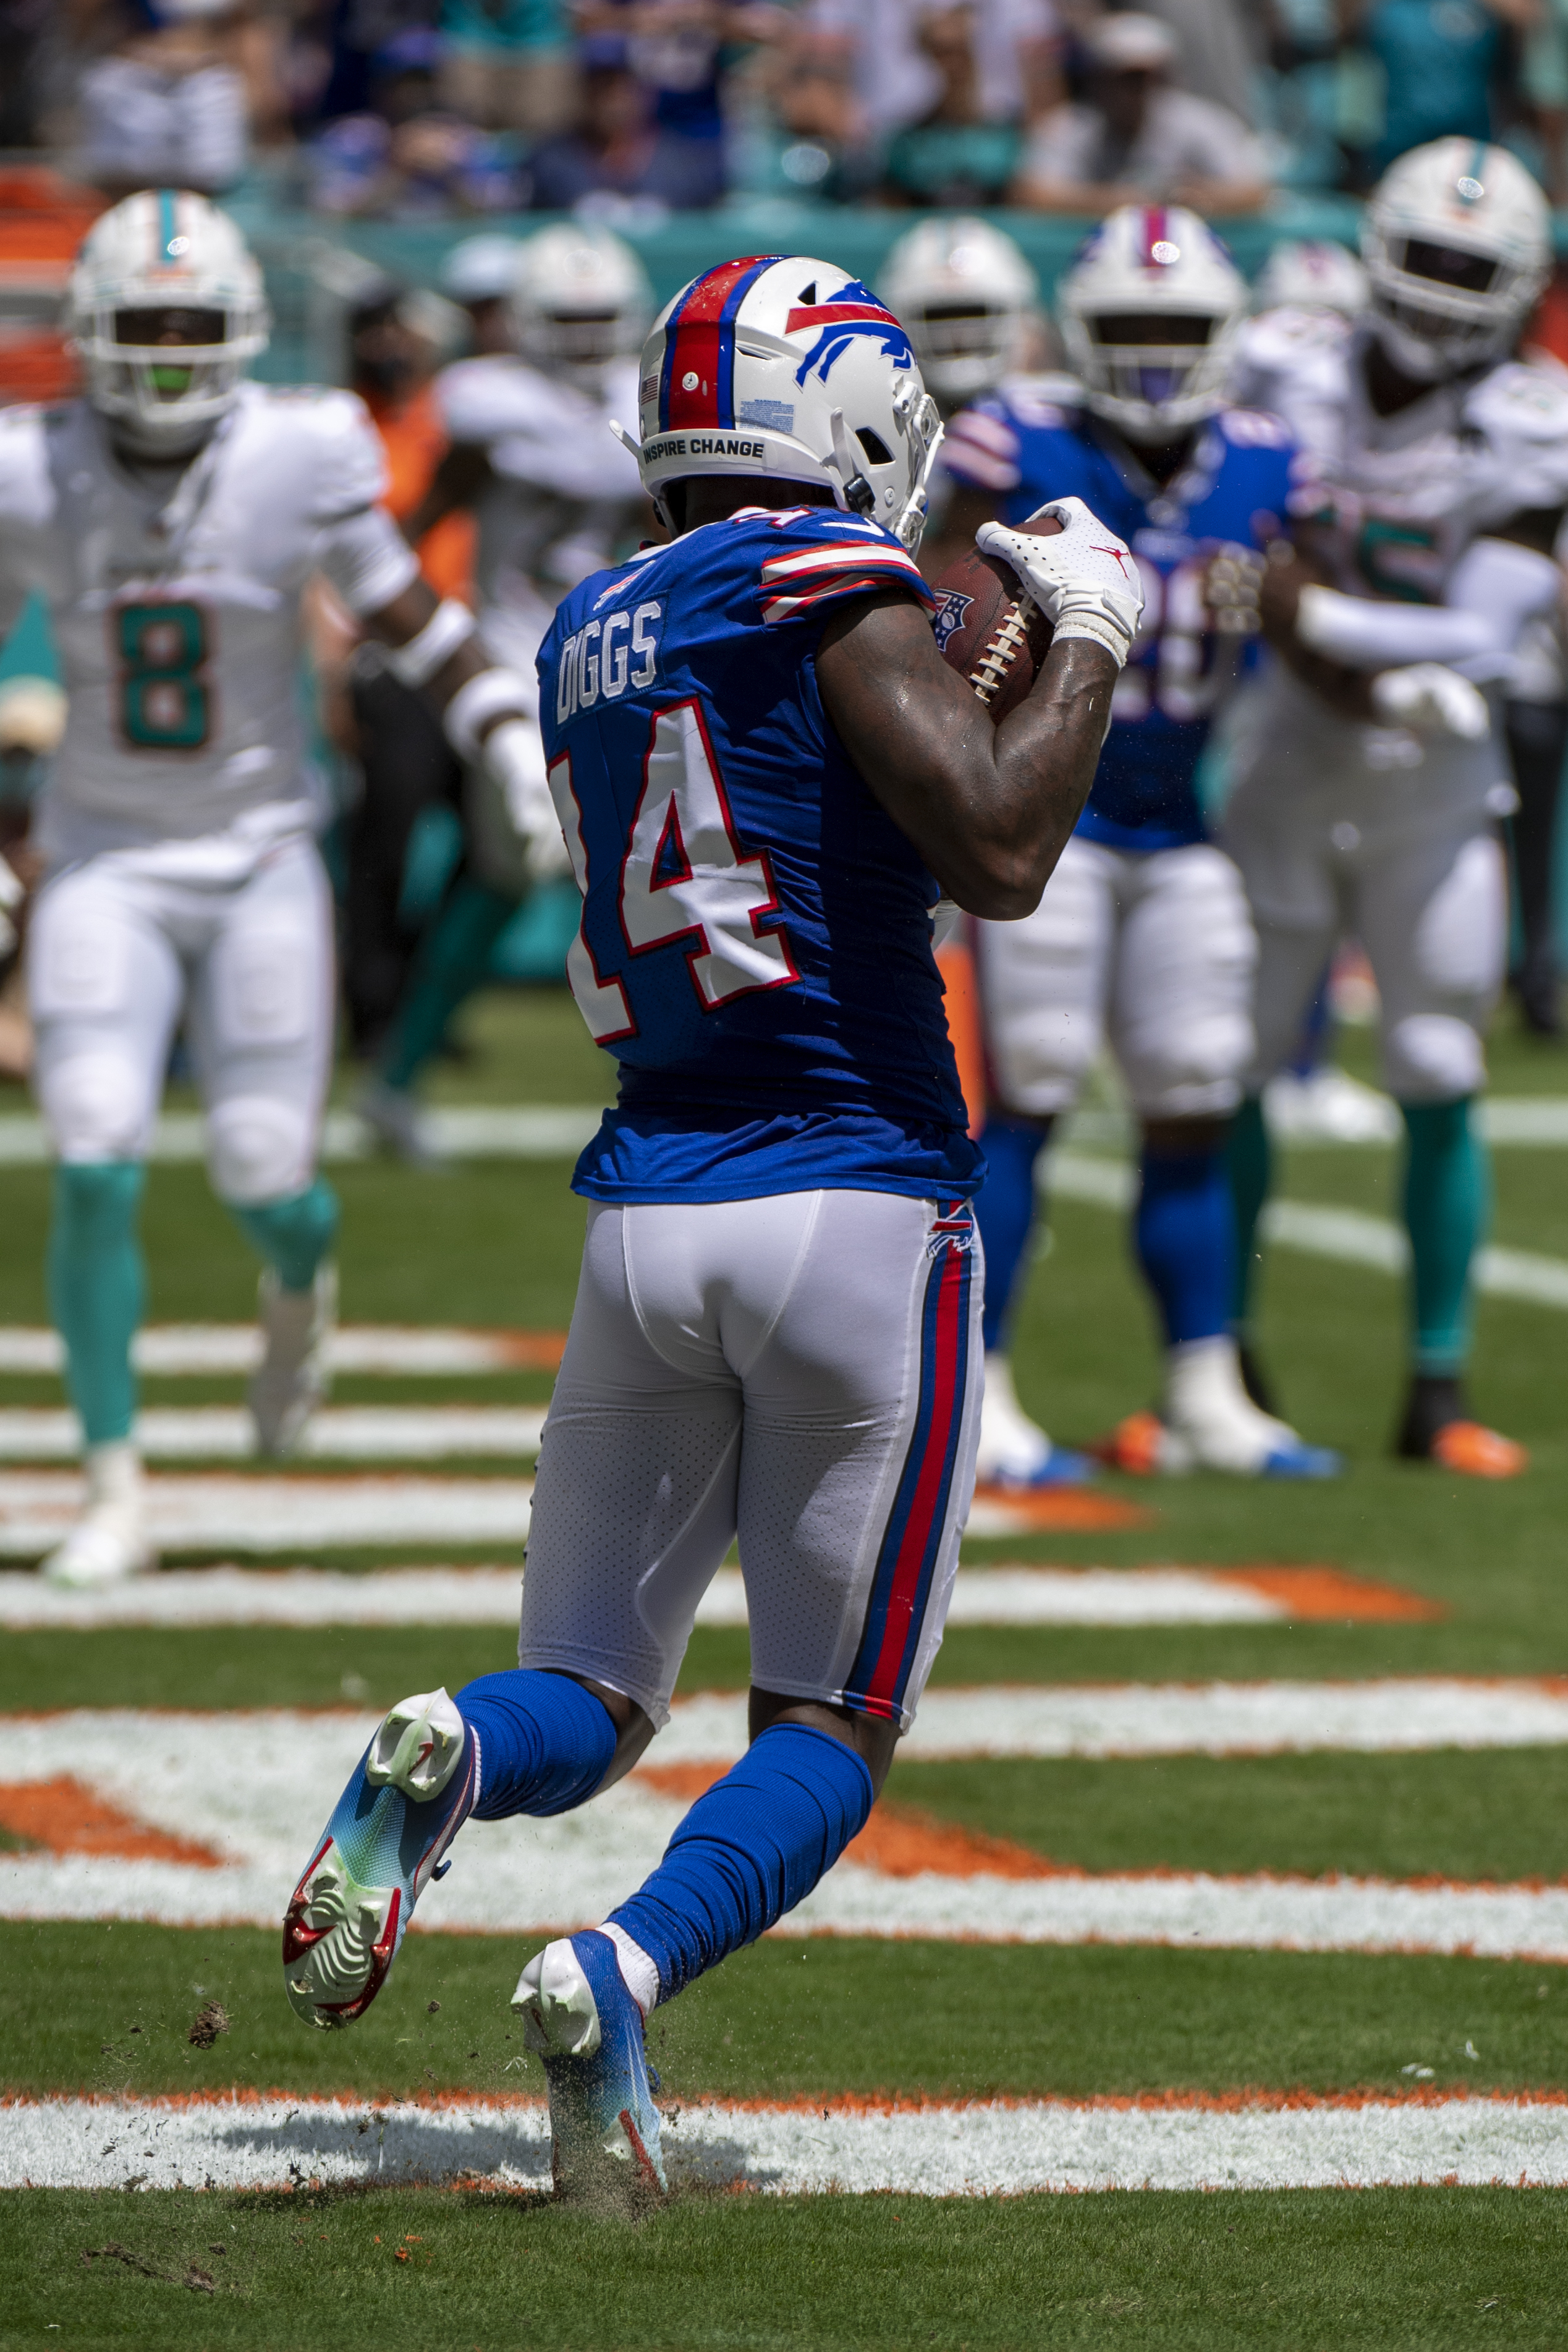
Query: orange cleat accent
[1134,1445]
[1474,1452]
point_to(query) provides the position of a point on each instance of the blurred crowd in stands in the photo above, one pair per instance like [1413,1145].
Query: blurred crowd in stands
[628,109]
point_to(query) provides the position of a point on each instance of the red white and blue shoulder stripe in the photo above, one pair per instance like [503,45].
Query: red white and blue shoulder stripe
[841,558]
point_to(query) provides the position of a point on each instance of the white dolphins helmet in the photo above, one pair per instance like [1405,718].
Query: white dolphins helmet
[1149,313]
[581,301]
[165,251]
[1458,244]
[1308,273]
[788,368]
[967,296]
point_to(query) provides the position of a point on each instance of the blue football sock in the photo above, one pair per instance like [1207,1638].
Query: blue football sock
[292,1235]
[748,1851]
[98,1289]
[1185,1233]
[1249,1164]
[1447,1203]
[545,1743]
[1005,1212]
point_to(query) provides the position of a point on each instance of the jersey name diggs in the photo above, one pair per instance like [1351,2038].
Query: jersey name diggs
[604,659]
[701,445]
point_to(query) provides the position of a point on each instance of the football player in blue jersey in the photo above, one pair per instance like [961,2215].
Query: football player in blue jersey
[1144,932]
[761,766]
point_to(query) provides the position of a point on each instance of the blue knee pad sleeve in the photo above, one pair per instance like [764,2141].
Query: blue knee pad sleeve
[98,1289]
[545,1743]
[1004,1211]
[748,1851]
[292,1235]
[1185,1236]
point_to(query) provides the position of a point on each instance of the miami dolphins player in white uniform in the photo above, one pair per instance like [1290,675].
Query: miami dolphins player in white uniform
[1143,933]
[552,491]
[170,519]
[1367,796]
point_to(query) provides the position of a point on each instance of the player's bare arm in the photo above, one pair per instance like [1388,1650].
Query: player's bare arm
[988,807]
[458,481]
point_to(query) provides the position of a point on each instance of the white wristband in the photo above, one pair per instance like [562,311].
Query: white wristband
[416,661]
[480,698]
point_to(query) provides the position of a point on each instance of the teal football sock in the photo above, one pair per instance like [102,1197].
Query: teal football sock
[452,961]
[1447,1206]
[292,1235]
[98,1289]
[1249,1164]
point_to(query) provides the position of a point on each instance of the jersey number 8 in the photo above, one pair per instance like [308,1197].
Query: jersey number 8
[165,705]
[684,876]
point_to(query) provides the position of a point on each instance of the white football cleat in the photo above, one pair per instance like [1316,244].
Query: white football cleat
[1015,1452]
[398,1119]
[293,1377]
[1211,1422]
[110,1542]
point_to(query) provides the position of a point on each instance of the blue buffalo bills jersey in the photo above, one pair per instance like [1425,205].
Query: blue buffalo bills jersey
[1032,441]
[755,945]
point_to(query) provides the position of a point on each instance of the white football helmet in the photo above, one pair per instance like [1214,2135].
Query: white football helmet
[968,298]
[1307,274]
[164,250]
[581,301]
[1457,243]
[1149,313]
[789,368]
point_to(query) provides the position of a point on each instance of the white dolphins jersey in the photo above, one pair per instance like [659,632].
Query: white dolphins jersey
[563,487]
[174,600]
[1407,494]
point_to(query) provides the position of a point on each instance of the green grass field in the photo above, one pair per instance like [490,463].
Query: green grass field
[105,2009]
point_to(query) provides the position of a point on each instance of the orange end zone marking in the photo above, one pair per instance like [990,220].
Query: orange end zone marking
[1311,1593]
[901,1841]
[66,1818]
[1068,1507]
[531,1351]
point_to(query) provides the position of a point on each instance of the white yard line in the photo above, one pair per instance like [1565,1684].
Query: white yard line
[987,2148]
[1186,1719]
[251,1790]
[221,1433]
[470,1131]
[480,1596]
[278,1513]
[1351,1235]
[215,1350]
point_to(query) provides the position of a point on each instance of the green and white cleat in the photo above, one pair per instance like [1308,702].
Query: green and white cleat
[408,1796]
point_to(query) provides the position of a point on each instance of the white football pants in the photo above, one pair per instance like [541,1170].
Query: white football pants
[1344,829]
[803,1373]
[116,955]
[1154,948]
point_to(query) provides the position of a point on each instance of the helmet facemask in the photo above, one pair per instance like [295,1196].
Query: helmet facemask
[965,348]
[1440,309]
[1152,374]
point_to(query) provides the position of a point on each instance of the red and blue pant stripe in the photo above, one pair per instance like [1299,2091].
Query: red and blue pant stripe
[916,1530]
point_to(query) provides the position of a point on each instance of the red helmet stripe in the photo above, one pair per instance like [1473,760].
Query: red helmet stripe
[696,379]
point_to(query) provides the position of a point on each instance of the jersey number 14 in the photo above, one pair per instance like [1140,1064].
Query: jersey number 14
[683,876]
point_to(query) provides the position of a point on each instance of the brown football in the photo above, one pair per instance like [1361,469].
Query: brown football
[980,631]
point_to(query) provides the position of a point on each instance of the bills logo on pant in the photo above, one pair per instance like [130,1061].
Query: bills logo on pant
[852,311]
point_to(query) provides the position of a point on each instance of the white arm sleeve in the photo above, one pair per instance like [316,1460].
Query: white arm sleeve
[367,558]
[1497,587]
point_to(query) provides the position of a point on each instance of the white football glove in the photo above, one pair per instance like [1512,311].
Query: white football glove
[1085,580]
[513,755]
[1431,701]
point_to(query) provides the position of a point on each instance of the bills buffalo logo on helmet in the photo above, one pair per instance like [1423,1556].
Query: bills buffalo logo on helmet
[852,311]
